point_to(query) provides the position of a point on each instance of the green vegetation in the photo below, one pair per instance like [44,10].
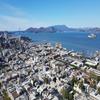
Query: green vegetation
[81,86]
[71,97]
[5,95]
[95,77]
[46,80]
[66,95]
[93,85]
[74,67]
[74,80]
[99,90]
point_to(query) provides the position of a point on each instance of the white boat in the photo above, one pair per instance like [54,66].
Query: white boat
[92,36]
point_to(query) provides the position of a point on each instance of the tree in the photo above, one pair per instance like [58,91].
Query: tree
[93,84]
[99,90]
[71,96]
[5,95]
[64,93]
[95,77]
[81,86]
[46,80]
[74,80]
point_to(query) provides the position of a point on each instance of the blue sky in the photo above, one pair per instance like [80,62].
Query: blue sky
[36,13]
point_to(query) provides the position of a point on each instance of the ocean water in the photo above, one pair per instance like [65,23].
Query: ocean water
[76,41]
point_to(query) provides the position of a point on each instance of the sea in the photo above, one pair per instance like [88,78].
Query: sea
[77,41]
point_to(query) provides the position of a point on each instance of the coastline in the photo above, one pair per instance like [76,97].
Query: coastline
[32,70]
[72,41]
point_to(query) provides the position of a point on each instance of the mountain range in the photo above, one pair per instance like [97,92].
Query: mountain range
[62,28]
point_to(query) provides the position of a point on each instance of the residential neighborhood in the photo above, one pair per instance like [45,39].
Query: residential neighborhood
[41,71]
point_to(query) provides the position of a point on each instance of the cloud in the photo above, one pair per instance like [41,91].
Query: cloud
[11,18]
[13,23]
[9,9]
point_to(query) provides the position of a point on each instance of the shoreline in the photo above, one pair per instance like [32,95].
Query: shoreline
[42,71]
[69,41]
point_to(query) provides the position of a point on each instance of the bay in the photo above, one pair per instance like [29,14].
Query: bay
[77,41]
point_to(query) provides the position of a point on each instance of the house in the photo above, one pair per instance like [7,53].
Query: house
[94,96]
[77,64]
[22,97]
[14,95]
[95,73]
[91,63]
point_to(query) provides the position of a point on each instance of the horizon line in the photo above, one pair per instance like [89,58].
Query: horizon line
[22,29]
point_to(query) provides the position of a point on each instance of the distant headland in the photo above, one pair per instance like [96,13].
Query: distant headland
[59,28]
[62,28]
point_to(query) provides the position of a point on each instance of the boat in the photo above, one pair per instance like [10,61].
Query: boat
[92,36]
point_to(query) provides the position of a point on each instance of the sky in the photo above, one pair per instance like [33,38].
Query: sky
[15,14]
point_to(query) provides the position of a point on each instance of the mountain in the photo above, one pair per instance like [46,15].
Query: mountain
[62,28]
[92,30]
[41,29]
[31,29]
[56,28]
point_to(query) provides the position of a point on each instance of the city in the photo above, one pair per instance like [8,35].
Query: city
[40,71]
[49,49]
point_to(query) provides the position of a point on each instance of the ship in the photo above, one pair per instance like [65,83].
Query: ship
[92,36]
